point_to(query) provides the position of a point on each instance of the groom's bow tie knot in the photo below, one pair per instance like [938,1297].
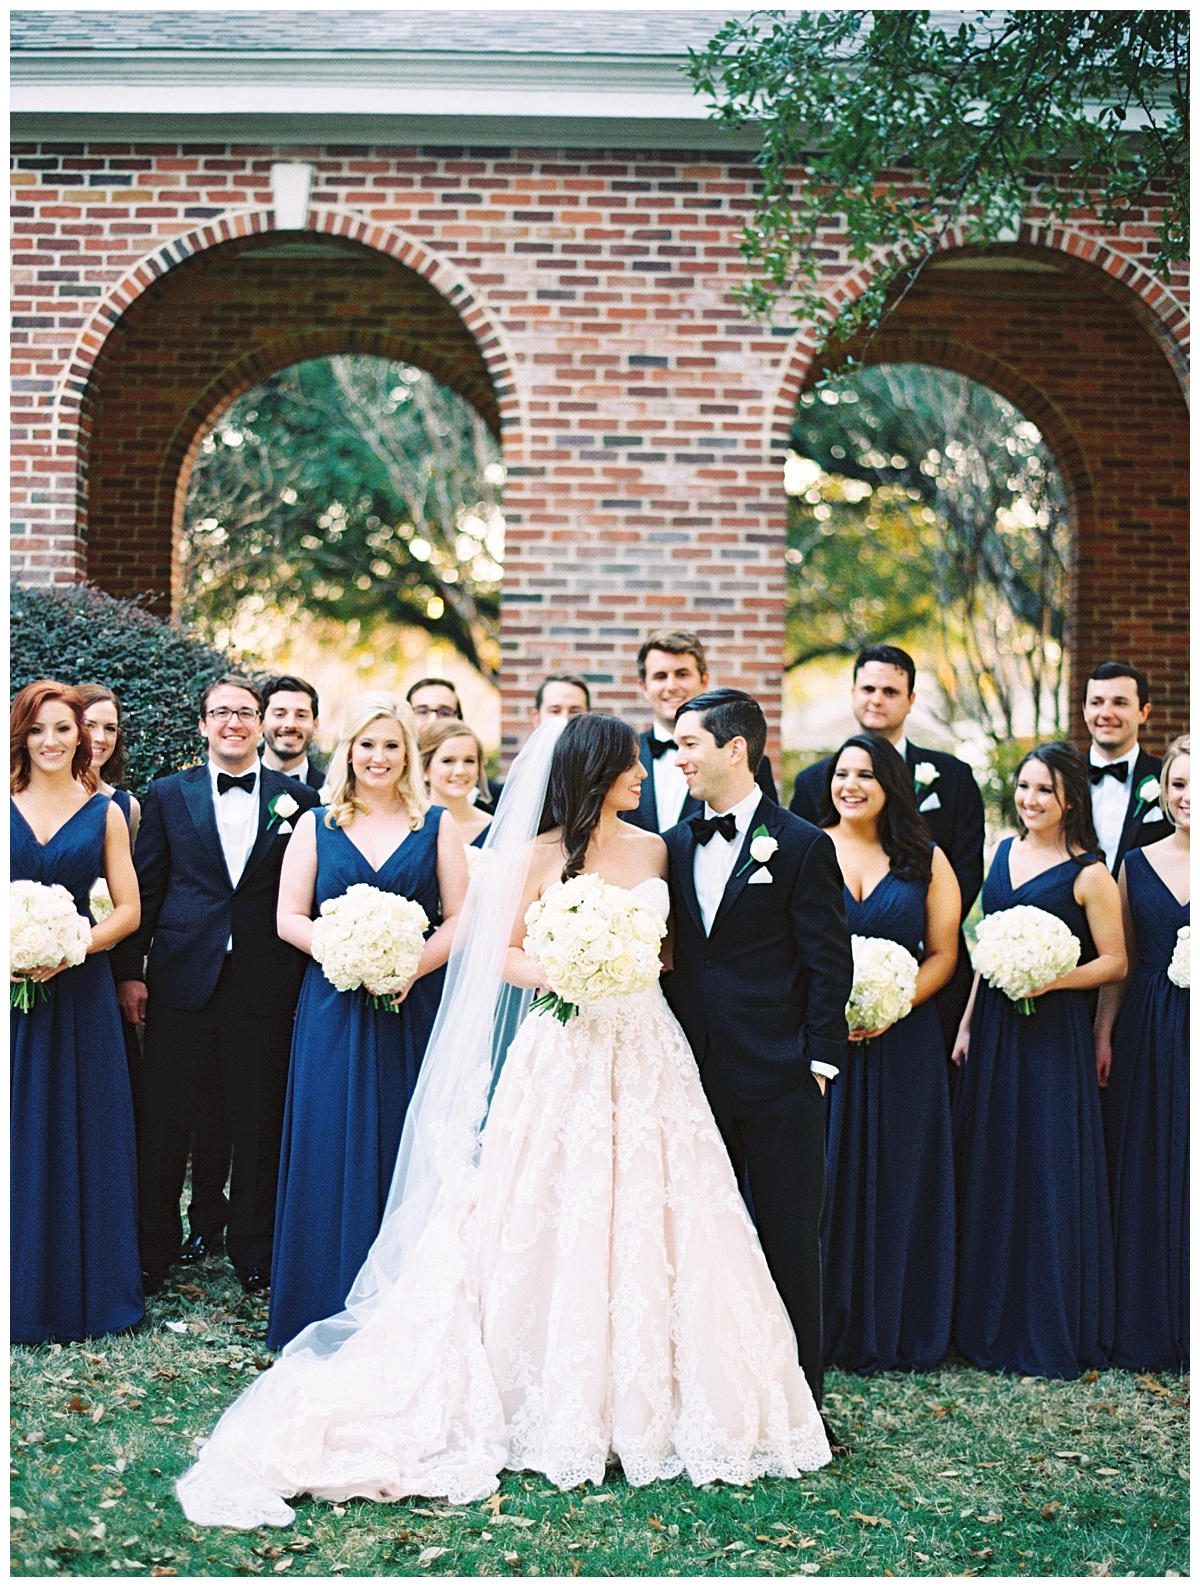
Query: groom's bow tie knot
[1117,768]
[706,827]
[659,746]
[225,782]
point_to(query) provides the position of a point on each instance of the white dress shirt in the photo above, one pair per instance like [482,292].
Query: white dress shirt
[1110,803]
[901,746]
[237,821]
[670,785]
[714,860]
[300,772]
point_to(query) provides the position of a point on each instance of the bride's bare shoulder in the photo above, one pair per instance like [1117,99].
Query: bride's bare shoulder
[649,848]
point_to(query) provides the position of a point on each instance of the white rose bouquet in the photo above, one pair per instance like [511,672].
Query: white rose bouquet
[44,929]
[1021,949]
[1180,968]
[593,941]
[885,983]
[100,900]
[369,938]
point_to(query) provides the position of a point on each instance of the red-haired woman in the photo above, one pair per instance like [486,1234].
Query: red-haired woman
[75,1271]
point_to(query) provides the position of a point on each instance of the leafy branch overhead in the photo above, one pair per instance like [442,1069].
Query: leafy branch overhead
[350,488]
[885,129]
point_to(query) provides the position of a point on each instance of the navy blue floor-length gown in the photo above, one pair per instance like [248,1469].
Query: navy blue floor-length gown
[1035,1272]
[1148,1136]
[75,1271]
[888,1237]
[353,1069]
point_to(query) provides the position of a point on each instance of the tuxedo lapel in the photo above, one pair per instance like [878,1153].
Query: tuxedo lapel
[647,806]
[736,884]
[263,838]
[196,786]
[686,858]
[1143,767]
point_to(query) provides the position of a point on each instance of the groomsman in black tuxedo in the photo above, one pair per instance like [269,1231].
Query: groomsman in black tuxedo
[211,981]
[882,694]
[672,670]
[762,973]
[290,722]
[1125,808]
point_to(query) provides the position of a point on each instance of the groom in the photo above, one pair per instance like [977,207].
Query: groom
[762,975]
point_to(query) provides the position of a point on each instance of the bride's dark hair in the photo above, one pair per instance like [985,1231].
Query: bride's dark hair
[590,755]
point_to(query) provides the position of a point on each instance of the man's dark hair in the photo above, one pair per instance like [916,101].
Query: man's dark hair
[891,656]
[563,677]
[287,684]
[674,642]
[731,713]
[230,680]
[439,683]
[1121,669]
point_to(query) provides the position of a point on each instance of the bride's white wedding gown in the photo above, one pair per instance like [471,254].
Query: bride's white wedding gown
[594,1288]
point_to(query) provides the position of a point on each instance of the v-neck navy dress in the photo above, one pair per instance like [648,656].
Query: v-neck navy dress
[888,1235]
[75,1270]
[1148,1098]
[1035,1269]
[353,1069]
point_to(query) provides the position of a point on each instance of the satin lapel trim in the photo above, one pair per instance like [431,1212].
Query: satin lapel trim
[647,806]
[197,793]
[736,884]
[262,841]
[1141,770]
[687,881]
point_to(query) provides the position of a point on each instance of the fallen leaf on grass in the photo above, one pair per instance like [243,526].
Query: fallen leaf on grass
[1103,1569]
[1049,1511]
[947,1473]
[659,1527]
[79,1406]
[162,1421]
[991,1520]
[339,1509]
[88,1356]
[108,1504]
[599,1498]
[97,1413]
[428,1555]
[283,1564]
[176,1327]
[869,1520]
[576,1567]
[193,1290]
[511,1559]
[163,1570]
[492,1505]
[1150,1384]
[1107,1471]
[97,1531]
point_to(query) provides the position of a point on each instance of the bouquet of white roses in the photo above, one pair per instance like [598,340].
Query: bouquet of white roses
[1021,949]
[100,900]
[593,941]
[1180,968]
[885,983]
[369,938]
[44,929]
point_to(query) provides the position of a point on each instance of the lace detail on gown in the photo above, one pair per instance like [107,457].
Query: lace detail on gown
[592,1288]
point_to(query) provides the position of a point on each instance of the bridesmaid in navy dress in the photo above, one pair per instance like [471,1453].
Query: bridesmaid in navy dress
[75,1271]
[1035,1275]
[888,1240]
[353,1066]
[1142,1056]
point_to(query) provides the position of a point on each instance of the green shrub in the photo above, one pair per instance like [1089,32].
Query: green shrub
[1000,779]
[80,635]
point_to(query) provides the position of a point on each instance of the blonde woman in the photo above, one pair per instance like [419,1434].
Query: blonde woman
[354,1066]
[1142,1054]
[452,758]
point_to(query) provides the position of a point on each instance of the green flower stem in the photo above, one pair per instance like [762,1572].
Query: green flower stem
[553,1004]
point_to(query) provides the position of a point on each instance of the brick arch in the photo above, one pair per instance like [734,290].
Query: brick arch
[225,315]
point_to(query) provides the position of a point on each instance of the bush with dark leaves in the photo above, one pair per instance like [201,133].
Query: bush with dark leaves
[157,670]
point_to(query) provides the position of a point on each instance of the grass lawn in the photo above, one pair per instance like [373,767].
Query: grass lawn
[952,1472]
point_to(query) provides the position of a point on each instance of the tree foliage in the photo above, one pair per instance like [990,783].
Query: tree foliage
[931,506]
[352,488]
[157,669]
[1069,109]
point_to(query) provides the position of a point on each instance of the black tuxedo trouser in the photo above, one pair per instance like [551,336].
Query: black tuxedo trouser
[778,1147]
[185,1053]
[211,1154]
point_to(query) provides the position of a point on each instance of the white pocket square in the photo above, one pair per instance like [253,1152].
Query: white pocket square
[759,878]
[932,803]
[284,826]
[1153,814]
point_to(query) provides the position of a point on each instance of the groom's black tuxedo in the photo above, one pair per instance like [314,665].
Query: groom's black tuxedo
[761,997]
[216,1020]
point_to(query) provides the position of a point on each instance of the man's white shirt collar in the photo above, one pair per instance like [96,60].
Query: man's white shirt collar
[1095,760]
[662,734]
[214,771]
[901,746]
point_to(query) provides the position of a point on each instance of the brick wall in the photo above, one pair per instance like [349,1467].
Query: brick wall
[582,300]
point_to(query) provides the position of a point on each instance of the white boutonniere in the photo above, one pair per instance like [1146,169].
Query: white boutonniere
[281,809]
[924,772]
[324,796]
[1147,794]
[762,847]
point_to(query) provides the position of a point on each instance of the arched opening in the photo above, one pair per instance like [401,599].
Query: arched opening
[1066,344]
[207,330]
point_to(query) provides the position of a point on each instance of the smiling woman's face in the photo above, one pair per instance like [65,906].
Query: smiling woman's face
[856,791]
[53,737]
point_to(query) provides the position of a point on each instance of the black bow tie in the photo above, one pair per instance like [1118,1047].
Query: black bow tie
[659,746]
[706,827]
[225,782]
[1116,768]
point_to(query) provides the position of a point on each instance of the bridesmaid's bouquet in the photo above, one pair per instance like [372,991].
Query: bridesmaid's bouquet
[1021,949]
[369,938]
[593,941]
[44,929]
[1180,968]
[885,983]
[100,900]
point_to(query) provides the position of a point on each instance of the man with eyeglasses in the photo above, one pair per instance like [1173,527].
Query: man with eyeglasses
[208,977]
[436,699]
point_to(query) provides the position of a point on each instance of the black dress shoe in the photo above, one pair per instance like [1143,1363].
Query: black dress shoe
[198,1247]
[256,1281]
[837,1446]
[152,1280]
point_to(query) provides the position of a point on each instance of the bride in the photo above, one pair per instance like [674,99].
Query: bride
[566,1273]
